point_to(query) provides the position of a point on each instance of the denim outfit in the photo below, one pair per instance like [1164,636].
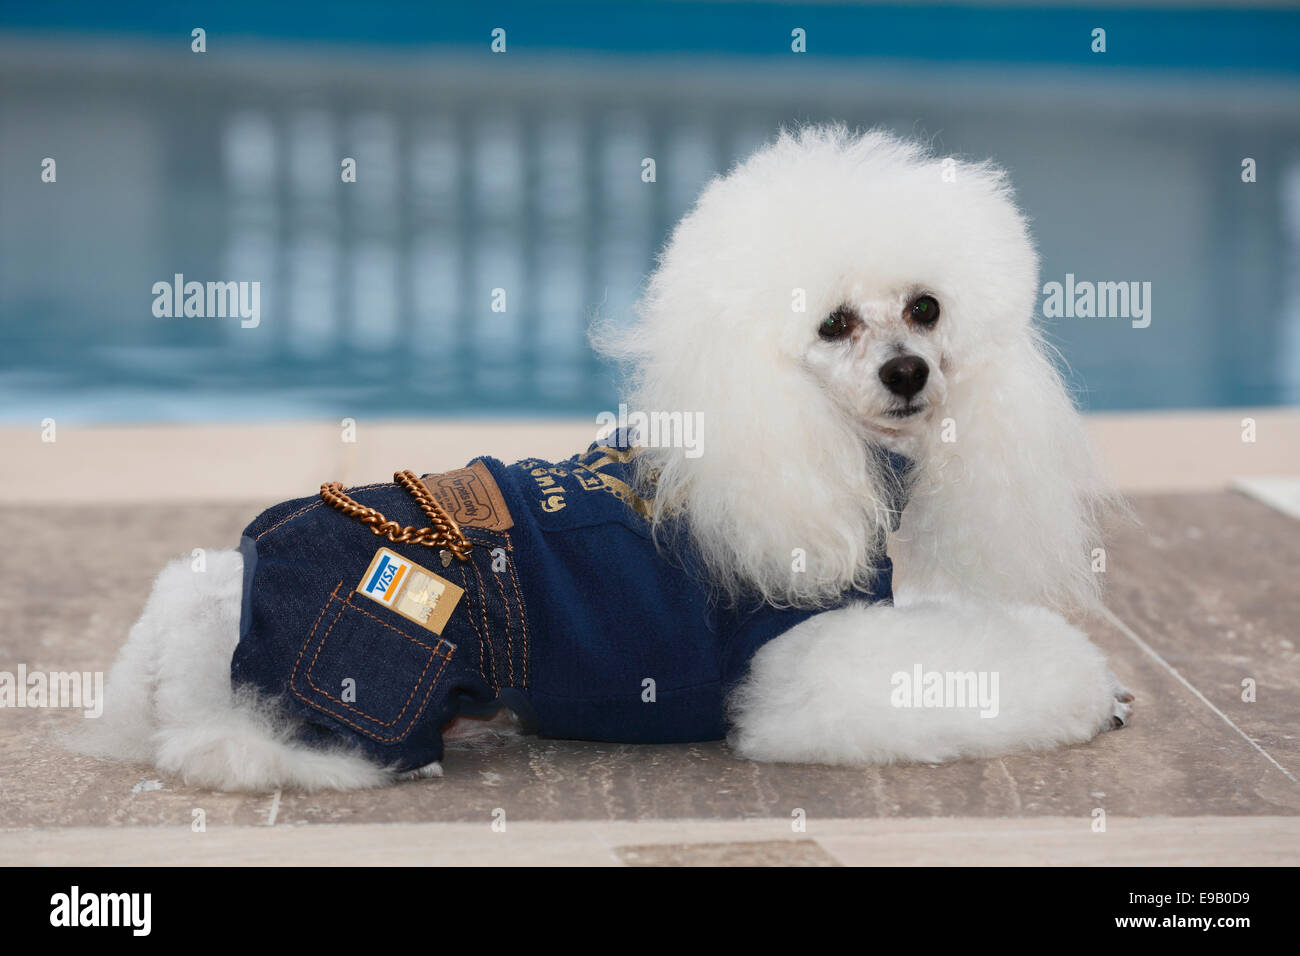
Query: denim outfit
[570,615]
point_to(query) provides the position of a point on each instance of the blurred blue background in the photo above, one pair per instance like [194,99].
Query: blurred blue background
[522,170]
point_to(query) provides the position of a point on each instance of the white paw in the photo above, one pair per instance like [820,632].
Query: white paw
[1121,705]
[428,770]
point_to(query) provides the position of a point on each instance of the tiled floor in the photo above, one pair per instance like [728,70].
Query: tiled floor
[1198,606]
[1202,596]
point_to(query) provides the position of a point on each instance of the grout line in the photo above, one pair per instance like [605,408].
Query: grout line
[1015,790]
[275,810]
[1128,631]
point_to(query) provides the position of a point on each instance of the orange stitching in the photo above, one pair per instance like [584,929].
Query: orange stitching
[347,603]
[490,538]
[330,600]
[523,613]
[357,607]
[492,654]
[424,703]
[433,652]
[510,647]
[469,613]
[314,504]
[300,511]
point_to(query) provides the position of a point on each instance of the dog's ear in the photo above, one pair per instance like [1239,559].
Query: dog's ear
[781,500]
[1008,493]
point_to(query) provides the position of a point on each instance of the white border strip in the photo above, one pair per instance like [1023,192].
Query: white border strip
[1280,494]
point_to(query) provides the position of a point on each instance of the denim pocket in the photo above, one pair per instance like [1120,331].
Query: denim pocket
[372,671]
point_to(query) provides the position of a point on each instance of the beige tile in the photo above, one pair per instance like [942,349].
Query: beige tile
[1178,758]
[358,845]
[1211,582]
[1207,583]
[75,621]
[1152,452]
[157,464]
[442,446]
[1181,841]
[266,463]
[735,853]
[1144,452]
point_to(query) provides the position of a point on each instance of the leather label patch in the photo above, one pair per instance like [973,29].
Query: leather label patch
[471,497]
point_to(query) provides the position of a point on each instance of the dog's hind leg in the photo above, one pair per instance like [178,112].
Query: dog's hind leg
[169,700]
[927,682]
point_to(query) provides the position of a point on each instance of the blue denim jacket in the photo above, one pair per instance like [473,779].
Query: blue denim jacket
[570,615]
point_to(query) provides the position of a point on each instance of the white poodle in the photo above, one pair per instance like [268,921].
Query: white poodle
[851,320]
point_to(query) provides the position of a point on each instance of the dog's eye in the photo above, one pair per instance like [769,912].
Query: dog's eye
[924,310]
[837,324]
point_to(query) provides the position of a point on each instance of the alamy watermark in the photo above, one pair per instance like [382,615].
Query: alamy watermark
[1098,300]
[74,689]
[946,689]
[656,429]
[129,910]
[208,300]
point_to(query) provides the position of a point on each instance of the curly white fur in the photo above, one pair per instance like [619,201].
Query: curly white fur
[169,701]
[862,220]
[823,692]
[998,534]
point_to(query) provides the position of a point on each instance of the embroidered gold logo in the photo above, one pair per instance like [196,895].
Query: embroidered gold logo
[588,470]
[591,477]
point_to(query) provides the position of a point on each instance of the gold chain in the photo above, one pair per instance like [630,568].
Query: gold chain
[444,533]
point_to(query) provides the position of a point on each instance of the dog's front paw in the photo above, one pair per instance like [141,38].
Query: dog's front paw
[422,773]
[1121,705]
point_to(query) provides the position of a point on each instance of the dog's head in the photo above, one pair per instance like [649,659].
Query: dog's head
[836,292]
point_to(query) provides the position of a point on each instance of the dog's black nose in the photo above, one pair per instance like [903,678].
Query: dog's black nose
[905,375]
